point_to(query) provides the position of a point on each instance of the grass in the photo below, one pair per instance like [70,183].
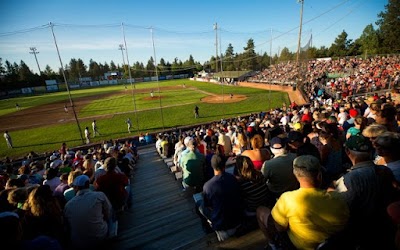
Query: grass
[148,113]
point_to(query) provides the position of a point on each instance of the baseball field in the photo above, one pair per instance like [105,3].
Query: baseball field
[41,124]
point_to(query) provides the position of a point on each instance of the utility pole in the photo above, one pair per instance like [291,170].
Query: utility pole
[121,47]
[34,52]
[216,47]
[301,25]
[66,84]
[270,64]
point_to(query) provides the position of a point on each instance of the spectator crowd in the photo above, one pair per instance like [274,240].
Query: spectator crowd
[324,174]
[70,200]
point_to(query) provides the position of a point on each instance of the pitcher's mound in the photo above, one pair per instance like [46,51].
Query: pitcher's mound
[223,99]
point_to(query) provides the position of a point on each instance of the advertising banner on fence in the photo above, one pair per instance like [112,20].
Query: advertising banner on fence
[51,88]
[74,86]
[26,90]
[51,82]
[14,92]
[94,83]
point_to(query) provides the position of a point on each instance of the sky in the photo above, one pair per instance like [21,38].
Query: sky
[93,29]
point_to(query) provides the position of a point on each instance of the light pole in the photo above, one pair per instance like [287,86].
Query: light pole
[121,47]
[34,52]
[301,25]
[216,47]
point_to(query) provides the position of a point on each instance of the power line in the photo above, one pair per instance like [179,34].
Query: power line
[10,33]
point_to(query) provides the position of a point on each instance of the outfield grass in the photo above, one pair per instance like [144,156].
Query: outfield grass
[49,138]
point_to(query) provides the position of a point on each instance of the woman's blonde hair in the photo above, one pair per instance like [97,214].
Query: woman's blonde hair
[72,175]
[374,130]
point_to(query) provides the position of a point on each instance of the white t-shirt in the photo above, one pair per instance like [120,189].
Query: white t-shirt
[342,117]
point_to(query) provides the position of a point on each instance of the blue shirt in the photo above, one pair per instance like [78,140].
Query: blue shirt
[222,194]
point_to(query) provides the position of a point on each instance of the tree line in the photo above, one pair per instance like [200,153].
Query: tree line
[381,40]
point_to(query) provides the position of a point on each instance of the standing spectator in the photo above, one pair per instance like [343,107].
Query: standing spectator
[129,123]
[95,129]
[221,202]
[87,215]
[63,151]
[87,135]
[306,216]
[8,139]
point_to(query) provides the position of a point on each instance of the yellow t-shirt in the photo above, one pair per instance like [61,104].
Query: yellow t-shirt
[311,215]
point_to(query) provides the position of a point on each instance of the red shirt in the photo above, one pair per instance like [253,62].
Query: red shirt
[113,185]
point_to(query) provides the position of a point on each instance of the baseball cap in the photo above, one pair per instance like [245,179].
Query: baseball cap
[295,136]
[358,143]
[56,163]
[80,181]
[186,140]
[308,162]
[297,126]
[353,113]
[277,143]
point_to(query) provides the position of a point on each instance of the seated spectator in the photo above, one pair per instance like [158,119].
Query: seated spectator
[387,146]
[257,154]
[387,117]
[113,184]
[87,216]
[60,189]
[359,125]
[70,192]
[221,202]
[366,193]
[193,167]
[330,151]
[301,145]
[306,216]
[224,144]
[52,179]
[252,183]
[43,215]
[278,171]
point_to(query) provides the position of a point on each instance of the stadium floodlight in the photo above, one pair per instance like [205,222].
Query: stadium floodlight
[301,25]
[34,52]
